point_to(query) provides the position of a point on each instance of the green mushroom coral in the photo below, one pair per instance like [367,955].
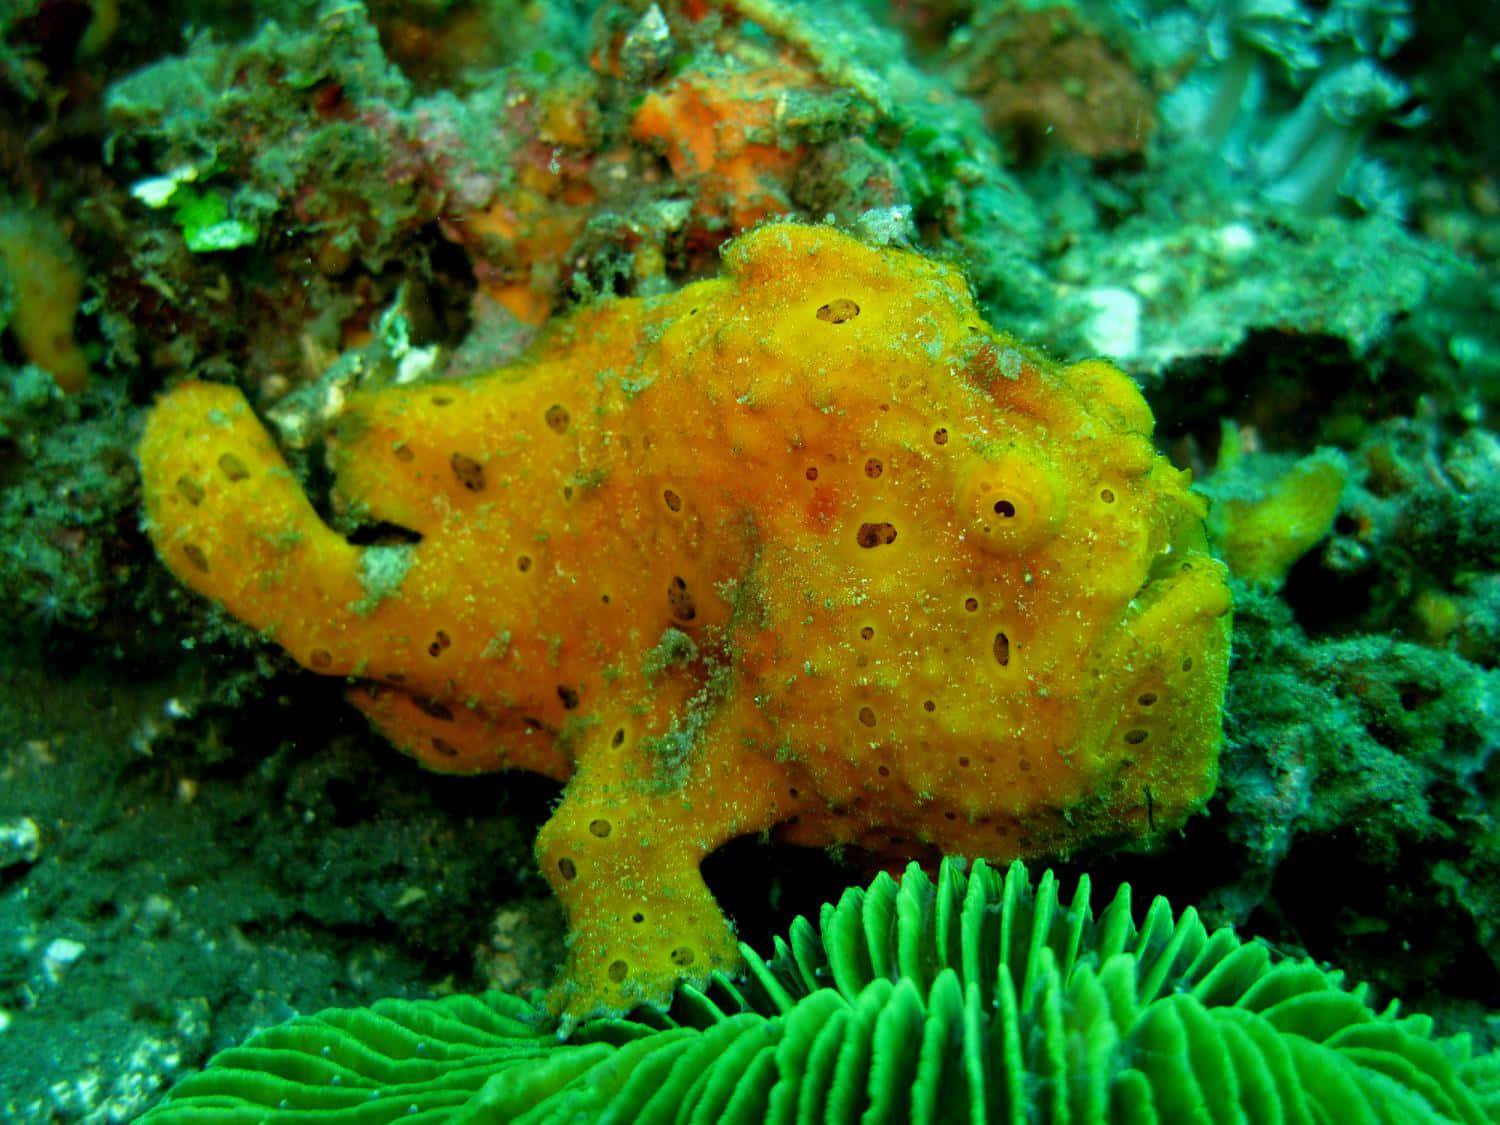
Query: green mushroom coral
[978,998]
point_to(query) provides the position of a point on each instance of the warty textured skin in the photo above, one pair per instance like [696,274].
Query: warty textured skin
[808,545]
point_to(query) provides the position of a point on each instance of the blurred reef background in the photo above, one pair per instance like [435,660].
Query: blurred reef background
[1281,217]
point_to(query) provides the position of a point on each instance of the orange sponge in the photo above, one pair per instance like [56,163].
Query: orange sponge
[808,545]
[719,132]
[43,282]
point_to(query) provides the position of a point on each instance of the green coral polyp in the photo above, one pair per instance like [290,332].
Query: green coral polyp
[977,998]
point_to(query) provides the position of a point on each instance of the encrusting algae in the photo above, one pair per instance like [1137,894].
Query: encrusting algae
[808,545]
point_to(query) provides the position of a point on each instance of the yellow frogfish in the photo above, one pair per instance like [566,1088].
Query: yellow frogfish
[808,546]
